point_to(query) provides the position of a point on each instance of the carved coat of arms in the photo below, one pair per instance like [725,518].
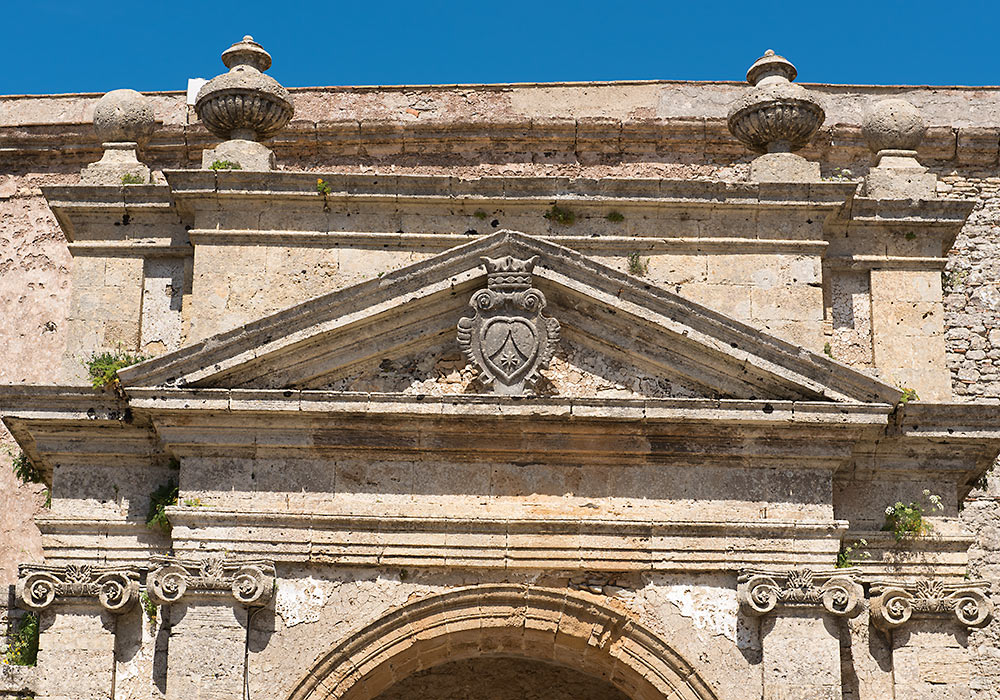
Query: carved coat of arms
[508,339]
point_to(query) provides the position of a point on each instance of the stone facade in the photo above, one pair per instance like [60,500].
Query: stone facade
[690,377]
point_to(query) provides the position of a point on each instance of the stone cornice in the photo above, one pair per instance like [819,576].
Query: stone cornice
[118,220]
[75,144]
[481,428]
[190,186]
[506,543]
[115,588]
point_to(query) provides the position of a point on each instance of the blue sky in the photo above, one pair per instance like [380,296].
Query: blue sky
[58,46]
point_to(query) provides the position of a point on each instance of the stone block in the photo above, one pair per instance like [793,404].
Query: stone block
[790,671]
[783,167]
[786,303]
[728,299]
[250,155]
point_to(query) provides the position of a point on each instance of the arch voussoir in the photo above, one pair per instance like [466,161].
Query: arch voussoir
[575,630]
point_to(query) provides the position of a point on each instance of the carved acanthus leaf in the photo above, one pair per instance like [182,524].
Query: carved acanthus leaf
[251,582]
[760,591]
[114,588]
[895,602]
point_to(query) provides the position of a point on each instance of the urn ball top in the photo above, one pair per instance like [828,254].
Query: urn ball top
[124,115]
[893,124]
[774,115]
[244,103]
[247,53]
[771,68]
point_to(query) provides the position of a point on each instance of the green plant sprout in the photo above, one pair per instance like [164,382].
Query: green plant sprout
[159,500]
[148,606]
[132,179]
[850,554]
[637,266]
[558,214]
[225,165]
[23,647]
[906,520]
[103,367]
[615,217]
[24,470]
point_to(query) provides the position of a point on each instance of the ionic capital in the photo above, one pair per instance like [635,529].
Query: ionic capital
[893,603]
[40,585]
[760,591]
[250,582]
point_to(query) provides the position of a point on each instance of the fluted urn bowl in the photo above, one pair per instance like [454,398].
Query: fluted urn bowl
[244,103]
[779,117]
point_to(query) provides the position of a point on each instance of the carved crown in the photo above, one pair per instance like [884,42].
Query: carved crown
[509,273]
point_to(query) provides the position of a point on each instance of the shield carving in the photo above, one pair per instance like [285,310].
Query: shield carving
[508,339]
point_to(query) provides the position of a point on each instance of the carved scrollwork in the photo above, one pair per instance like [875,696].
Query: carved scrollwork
[166,584]
[895,602]
[761,591]
[508,339]
[892,608]
[973,608]
[39,586]
[842,596]
[252,586]
[758,595]
[249,582]
[36,590]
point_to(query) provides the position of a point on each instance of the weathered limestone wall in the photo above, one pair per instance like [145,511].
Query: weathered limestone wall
[652,130]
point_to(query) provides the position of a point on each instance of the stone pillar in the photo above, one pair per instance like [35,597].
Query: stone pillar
[800,639]
[927,624]
[78,607]
[210,603]
[907,300]
[908,331]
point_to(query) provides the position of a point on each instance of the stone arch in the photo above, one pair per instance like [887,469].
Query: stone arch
[572,629]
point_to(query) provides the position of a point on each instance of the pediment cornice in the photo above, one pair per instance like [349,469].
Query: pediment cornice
[300,346]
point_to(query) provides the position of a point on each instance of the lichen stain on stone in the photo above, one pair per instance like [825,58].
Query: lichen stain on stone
[300,601]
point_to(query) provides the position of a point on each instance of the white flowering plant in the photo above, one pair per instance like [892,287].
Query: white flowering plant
[907,520]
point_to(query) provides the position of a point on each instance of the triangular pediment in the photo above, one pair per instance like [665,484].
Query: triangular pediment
[620,337]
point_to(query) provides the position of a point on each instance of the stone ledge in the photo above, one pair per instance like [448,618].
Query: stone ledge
[626,139]
[507,543]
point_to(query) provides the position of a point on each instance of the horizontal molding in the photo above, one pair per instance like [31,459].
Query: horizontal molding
[544,543]
[444,241]
[626,139]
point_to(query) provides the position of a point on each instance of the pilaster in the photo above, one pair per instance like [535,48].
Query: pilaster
[211,603]
[799,637]
[927,623]
[78,608]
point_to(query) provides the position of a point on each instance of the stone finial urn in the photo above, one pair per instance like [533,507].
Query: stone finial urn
[775,117]
[893,129]
[124,122]
[243,106]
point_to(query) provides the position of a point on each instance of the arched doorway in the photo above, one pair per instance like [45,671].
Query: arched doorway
[501,678]
[561,628]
